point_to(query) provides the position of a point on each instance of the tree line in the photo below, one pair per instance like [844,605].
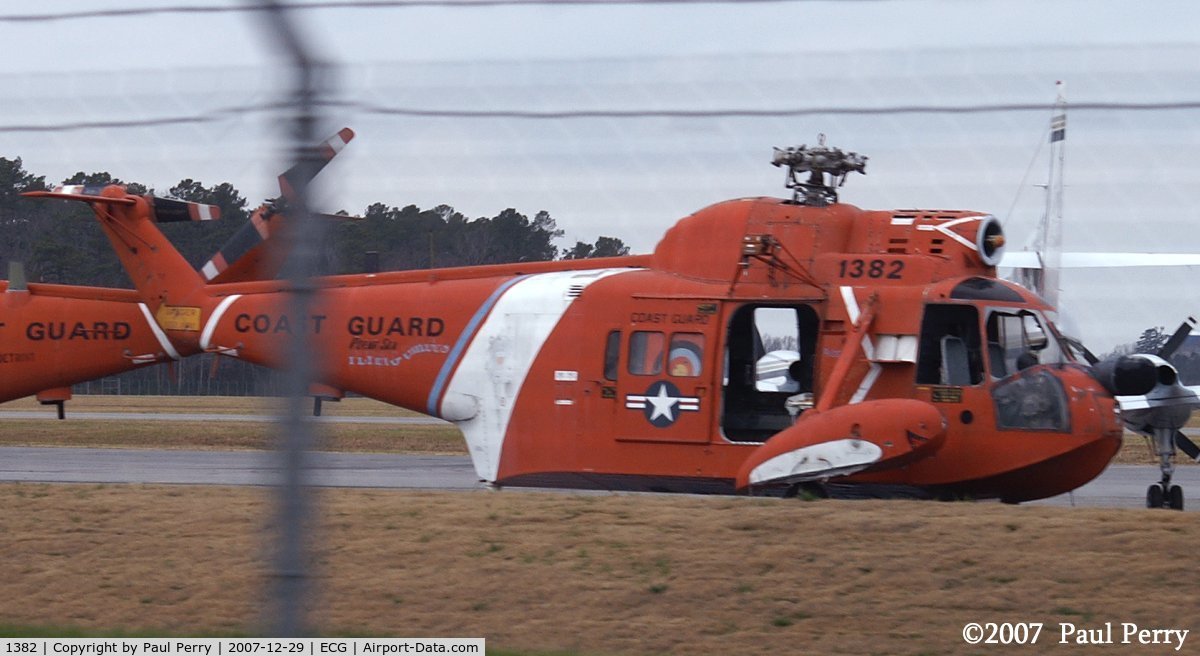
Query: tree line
[60,243]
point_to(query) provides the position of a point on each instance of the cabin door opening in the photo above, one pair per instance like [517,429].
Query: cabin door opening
[770,351]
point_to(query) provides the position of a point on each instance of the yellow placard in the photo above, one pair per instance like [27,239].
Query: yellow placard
[947,395]
[176,317]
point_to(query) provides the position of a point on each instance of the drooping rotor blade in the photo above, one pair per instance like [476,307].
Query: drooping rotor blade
[1087,354]
[16,277]
[87,194]
[1185,444]
[243,257]
[162,210]
[325,151]
[338,217]
[170,210]
[1177,339]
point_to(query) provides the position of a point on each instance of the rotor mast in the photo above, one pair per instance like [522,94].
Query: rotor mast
[826,167]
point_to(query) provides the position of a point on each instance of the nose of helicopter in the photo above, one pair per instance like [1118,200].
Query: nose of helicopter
[1071,400]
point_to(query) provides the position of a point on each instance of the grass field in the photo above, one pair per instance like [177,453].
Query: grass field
[598,574]
[566,574]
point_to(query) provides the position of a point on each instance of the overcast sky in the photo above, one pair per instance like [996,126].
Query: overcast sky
[1130,175]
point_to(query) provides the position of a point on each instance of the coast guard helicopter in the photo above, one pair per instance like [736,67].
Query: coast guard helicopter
[916,372]
[52,336]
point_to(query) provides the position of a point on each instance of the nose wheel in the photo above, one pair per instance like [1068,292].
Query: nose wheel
[1164,496]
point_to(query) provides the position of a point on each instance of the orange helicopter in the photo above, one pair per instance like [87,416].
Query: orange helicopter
[766,346]
[52,336]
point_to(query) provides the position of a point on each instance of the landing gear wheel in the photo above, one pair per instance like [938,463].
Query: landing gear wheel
[1175,498]
[1154,496]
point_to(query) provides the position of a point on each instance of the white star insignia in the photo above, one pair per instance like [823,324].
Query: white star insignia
[663,404]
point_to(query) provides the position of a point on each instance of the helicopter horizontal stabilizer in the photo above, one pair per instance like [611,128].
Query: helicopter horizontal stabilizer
[869,436]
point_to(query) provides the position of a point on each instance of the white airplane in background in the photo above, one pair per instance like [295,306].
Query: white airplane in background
[1153,402]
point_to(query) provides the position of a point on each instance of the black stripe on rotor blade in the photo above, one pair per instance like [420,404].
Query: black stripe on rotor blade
[240,243]
[169,210]
[1177,339]
[1186,445]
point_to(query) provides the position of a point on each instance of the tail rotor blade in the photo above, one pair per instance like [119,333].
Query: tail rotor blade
[1185,444]
[1177,339]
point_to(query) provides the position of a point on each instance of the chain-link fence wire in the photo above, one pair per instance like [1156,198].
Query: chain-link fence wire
[624,147]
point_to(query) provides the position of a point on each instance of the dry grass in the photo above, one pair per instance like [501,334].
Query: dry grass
[598,574]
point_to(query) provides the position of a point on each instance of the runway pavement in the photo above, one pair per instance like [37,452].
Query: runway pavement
[213,416]
[80,465]
[1121,486]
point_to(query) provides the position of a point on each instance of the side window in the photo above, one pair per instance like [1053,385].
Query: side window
[612,353]
[951,348]
[646,353]
[686,356]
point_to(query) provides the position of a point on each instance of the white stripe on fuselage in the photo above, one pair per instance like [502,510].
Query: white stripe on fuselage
[494,366]
[211,327]
[868,347]
[163,340]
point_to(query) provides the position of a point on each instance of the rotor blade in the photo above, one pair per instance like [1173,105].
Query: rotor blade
[1177,339]
[1087,354]
[169,210]
[325,152]
[87,194]
[16,277]
[338,217]
[248,238]
[1186,445]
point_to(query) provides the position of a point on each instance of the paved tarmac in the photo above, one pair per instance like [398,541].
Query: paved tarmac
[212,416]
[1121,486]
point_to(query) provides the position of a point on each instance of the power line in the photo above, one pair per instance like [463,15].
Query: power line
[757,113]
[363,4]
[584,114]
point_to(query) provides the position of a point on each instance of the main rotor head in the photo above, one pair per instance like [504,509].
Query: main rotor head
[818,162]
